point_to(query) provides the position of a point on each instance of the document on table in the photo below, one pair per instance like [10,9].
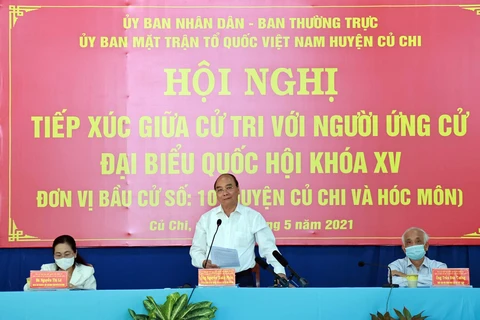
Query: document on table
[224,257]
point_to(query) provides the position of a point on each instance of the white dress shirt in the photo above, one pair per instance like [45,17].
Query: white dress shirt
[240,231]
[424,274]
[82,276]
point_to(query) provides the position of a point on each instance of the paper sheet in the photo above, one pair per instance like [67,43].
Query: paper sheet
[224,257]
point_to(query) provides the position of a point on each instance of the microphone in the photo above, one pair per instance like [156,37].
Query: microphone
[219,222]
[390,282]
[283,282]
[303,282]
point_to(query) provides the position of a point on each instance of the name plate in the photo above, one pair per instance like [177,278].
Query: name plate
[451,277]
[216,277]
[48,279]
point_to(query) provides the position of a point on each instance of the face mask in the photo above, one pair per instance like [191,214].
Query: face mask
[416,252]
[65,263]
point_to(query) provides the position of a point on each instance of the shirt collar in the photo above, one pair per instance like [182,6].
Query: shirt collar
[238,209]
[426,262]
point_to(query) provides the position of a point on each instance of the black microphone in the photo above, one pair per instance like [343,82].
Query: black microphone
[390,281]
[219,222]
[283,282]
[303,282]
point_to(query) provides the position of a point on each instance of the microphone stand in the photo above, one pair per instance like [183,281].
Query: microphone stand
[302,282]
[219,222]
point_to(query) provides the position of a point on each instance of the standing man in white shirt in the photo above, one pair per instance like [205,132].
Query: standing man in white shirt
[415,245]
[241,227]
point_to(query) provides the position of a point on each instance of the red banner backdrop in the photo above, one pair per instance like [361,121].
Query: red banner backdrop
[345,124]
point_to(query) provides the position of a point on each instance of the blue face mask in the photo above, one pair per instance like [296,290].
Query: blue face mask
[416,252]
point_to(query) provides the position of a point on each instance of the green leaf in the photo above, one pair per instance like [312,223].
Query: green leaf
[153,302]
[374,317]
[214,309]
[204,312]
[168,306]
[419,316]
[137,316]
[157,309]
[152,316]
[407,313]
[202,304]
[176,295]
[132,313]
[399,314]
[185,311]
[179,306]
[150,306]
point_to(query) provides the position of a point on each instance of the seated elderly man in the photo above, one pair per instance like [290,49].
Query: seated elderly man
[415,245]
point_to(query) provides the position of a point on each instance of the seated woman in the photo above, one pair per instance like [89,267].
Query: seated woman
[80,273]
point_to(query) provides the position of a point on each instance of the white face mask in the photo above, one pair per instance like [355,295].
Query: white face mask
[65,263]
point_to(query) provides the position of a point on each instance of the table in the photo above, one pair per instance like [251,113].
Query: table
[247,303]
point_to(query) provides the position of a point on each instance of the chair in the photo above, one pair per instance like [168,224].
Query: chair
[256,270]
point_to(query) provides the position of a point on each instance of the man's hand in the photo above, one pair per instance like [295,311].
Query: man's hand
[209,265]
[398,274]
[282,275]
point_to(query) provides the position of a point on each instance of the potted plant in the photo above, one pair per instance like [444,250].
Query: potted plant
[405,315]
[176,307]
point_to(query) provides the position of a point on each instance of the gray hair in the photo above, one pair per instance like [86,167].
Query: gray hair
[425,235]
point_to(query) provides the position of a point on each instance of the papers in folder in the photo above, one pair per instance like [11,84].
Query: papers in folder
[224,257]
